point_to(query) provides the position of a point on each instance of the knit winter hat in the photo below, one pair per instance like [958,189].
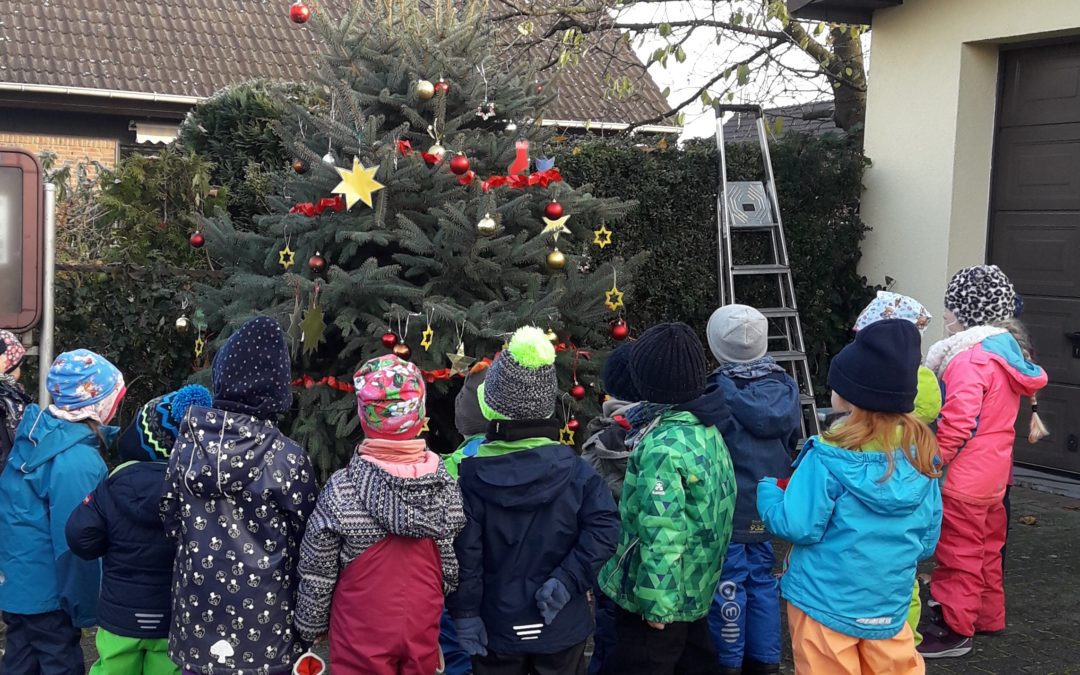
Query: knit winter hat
[152,433]
[738,334]
[667,364]
[889,305]
[468,418]
[618,382]
[81,378]
[879,370]
[251,370]
[521,383]
[390,398]
[980,295]
[12,352]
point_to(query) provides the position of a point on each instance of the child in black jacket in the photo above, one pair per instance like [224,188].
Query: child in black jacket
[120,522]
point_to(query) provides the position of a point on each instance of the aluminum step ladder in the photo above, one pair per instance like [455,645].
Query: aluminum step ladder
[752,210]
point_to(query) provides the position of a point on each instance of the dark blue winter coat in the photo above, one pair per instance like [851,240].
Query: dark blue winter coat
[761,430]
[121,523]
[531,515]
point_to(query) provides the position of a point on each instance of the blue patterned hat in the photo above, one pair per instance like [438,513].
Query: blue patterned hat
[152,433]
[81,378]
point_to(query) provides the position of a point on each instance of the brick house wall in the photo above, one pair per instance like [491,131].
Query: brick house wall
[69,149]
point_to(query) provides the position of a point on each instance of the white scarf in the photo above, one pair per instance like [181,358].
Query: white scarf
[944,351]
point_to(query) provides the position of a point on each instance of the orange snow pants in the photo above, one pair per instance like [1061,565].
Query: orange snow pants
[819,650]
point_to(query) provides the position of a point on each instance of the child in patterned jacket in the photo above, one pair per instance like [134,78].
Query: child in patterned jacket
[378,554]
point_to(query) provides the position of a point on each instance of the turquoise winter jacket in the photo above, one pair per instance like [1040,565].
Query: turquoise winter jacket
[856,539]
[54,465]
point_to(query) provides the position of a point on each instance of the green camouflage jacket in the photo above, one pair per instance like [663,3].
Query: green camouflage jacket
[676,510]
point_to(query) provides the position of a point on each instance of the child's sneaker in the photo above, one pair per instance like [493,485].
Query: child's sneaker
[941,642]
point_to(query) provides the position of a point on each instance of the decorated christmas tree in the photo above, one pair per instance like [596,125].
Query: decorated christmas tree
[421,215]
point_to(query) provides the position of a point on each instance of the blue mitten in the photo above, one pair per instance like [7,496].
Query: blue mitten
[551,598]
[472,635]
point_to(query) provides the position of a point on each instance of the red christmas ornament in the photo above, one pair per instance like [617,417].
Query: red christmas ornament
[553,210]
[298,166]
[389,340]
[619,330]
[197,239]
[459,164]
[442,86]
[573,424]
[402,351]
[577,392]
[317,263]
[299,12]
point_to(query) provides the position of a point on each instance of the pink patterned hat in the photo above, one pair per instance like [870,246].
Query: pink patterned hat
[390,398]
[11,351]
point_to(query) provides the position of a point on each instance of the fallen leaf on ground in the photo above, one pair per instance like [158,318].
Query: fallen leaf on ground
[1029,520]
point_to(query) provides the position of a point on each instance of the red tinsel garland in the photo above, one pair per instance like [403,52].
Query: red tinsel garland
[311,210]
[541,178]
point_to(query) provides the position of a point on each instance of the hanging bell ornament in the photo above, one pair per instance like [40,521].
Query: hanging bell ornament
[573,424]
[317,263]
[577,392]
[442,87]
[402,351]
[197,239]
[298,166]
[425,90]
[556,260]
[299,12]
[183,324]
[551,336]
[459,164]
[389,340]
[553,210]
[619,330]
[487,225]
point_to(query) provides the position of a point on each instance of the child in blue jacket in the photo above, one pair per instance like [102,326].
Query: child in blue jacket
[761,428]
[48,594]
[861,509]
[120,523]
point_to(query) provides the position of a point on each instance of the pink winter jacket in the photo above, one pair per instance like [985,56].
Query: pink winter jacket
[983,386]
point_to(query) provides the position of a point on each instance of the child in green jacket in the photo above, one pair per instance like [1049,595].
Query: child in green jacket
[676,510]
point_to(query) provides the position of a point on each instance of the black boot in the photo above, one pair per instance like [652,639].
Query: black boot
[751,667]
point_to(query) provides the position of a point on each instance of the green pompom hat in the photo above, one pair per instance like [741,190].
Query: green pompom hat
[521,383]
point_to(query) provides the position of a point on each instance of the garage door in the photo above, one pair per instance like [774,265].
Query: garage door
[1035,230]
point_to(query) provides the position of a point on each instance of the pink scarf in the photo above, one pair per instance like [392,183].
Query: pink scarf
[404,459]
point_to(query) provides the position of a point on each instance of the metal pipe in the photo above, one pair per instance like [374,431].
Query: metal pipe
[48,320]
[100,93]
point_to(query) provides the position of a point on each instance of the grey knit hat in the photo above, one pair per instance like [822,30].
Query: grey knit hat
[521,383]
[738,334]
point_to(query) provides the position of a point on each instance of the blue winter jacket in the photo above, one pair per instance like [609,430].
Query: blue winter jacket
[53,466]
[761,433]
[121,523]
[856,539]
[531,515]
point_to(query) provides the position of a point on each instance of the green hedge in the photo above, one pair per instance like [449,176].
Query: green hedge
[819,182]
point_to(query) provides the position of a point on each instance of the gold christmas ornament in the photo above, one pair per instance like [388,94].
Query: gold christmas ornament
[613,298]
[425,90]
[459,362]
[602,237]
[357,184]
[566,436]
[556,226]
[487,225]
[200,346]
[437,151]
[428,338]
[551,336]
[286,257]
[183,324]
[556,260]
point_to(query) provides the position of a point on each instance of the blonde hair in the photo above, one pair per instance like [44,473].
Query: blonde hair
[862,428]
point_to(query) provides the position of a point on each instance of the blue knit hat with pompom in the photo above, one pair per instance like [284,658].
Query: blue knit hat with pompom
[151,435]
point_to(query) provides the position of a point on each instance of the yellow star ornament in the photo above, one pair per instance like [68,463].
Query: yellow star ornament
[426,428]
[358,184]
[428,338]
[556,227]
[602,237]
[566,436]
[286,257]
[613,298]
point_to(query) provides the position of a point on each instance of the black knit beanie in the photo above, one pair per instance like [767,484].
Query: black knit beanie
[879,370]
[667,364]
[618,382]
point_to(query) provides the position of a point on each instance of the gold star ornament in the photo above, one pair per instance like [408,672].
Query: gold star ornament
[613,298]
[556,227]
[459,362]
[602,237]
[286,257]
[566,436]
[357,184]
[428,337]
[426,428]
[200,346]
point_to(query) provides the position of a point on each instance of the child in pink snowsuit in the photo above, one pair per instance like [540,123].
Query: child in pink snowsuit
[985,368]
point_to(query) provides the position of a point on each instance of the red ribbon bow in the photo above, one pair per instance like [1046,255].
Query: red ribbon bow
[541,178]
[336,204]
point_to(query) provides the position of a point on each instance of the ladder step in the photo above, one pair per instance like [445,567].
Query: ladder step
[754,227]
[787,356]
[747,270]
[779,312]
[807,400]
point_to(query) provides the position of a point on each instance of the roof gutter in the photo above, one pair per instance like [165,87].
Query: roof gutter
[99,93]
[612,126]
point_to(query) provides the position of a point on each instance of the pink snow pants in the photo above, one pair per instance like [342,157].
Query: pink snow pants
[968,578]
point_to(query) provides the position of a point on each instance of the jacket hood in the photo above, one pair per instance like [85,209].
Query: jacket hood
[129,491]
[525,479]
[860,473]
[711,408]
[767,406]
[409,507]
[45,436]
[246,445]
[1027,377]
